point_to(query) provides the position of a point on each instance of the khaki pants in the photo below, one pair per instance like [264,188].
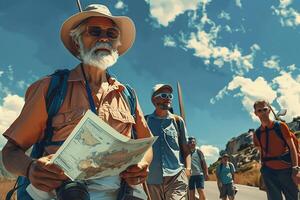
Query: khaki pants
[172,188]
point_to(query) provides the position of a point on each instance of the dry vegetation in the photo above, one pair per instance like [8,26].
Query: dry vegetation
[5,186]
[249,175]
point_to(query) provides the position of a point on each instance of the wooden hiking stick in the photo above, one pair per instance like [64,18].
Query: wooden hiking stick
[180,101]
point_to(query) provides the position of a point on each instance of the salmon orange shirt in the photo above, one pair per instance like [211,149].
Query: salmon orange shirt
[112,107]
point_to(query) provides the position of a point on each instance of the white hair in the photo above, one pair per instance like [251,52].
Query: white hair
[101,59]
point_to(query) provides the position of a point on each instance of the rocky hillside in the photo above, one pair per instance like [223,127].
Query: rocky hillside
[244,155]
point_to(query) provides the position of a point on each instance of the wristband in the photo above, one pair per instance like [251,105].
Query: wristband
[28,168]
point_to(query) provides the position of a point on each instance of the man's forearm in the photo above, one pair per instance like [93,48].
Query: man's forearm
[15,160]
[188,161]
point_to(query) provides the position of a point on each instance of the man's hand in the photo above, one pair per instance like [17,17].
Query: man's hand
[136,174]
[206,177]
[296,178]
[45,176]
[219,185]
[188,172]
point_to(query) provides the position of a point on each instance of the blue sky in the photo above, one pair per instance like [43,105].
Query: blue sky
[225,54]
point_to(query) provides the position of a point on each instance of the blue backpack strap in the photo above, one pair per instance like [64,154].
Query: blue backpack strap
[258,135]
[130,96]
[277,130]
[55,96]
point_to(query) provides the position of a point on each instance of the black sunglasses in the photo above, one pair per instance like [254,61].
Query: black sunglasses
[261,110]
[96,31]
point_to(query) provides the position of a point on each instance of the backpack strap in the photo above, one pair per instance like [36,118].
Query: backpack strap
[201,157]
[55,96]
[130,97]
[56,93]
[277,130]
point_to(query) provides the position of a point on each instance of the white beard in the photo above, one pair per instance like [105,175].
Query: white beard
[101,59]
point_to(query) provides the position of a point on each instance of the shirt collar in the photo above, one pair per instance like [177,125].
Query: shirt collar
[169,116]
[271,125]
[76,75]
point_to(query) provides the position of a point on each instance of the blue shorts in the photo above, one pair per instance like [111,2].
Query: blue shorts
[196,181]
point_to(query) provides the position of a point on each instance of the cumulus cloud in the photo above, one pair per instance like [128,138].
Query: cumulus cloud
[205,46]
[288,16]
[289,94]
[272,63]
[224,15]
[202,38]
[9,111]
[249,91]
[120,5]
[291,67]
[282,92]
[166,11]
[238,3]
[210,152]
[169,41]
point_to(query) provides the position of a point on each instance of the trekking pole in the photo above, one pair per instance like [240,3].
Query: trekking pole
[182,114]
[276,117]
[79,5]
[180,101]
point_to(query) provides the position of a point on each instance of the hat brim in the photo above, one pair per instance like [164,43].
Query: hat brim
[160,88]
[125,24]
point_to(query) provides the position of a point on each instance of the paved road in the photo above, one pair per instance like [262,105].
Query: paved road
[244,193]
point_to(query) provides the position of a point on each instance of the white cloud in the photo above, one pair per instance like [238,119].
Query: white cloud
[204,45]
[166,11]
[120,5]
[220,95]
[289,90]
[21,84]
[169,41]
[238,3]
[249,91]
[291,67]
[10,73]
[283,90]
[9,111]
[210,152]
[288,16]
[272,63]
[224,15]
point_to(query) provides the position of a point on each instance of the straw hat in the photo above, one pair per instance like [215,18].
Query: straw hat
[125,24]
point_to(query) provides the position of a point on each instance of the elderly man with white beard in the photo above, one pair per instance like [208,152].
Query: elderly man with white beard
[96,38]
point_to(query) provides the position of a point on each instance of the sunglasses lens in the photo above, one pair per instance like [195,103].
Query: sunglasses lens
[94,31]
[170,96]
[164,96]
[112,33]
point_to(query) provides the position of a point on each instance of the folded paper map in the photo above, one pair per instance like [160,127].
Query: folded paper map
[94,150]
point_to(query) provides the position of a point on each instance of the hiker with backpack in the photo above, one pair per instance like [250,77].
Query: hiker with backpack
[279,151]
[199,170]
[55,104]
[225,178]
[171,165]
